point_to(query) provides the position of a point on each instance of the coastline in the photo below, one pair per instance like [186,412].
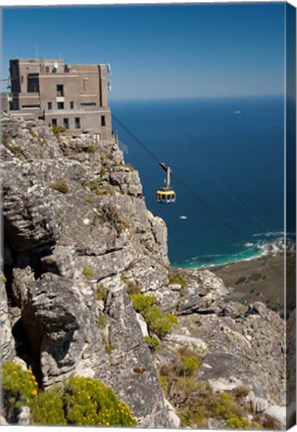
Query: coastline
[260,277]
[246,255]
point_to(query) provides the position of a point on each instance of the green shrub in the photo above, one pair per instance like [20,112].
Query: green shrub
[153,343]
[92,148]
[101,292]
[90,403]
[88,273]
[60,185]
[81,402]
[150,248]
[190,364]
[197,401]
[123,278]
[142,302]
[13,148]
[158,322]
[93,186]
[88,200]
[107,345]
[3,279]
[101,320]
[164,383]
[177,278]
[57,130]
[240,423]
[235,422]
[48,409]
[19,388]
[186,418]
[103,170]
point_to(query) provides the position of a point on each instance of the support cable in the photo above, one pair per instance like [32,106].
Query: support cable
[179,180]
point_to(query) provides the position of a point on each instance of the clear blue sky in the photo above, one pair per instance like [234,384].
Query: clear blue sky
[168,51]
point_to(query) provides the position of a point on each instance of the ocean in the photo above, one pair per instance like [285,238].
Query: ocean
[227,158]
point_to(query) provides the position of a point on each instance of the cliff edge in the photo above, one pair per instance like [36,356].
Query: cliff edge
[82,260]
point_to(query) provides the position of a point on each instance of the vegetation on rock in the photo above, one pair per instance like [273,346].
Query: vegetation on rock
[88,273]
[47,408]
[57,130]
[101,292]
[196,401]
[92,148]
[15,149]
[158,322]
[79,402]
[60,185]
[19,389]
[153,343]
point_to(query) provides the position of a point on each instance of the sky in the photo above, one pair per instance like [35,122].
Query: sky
[159,51]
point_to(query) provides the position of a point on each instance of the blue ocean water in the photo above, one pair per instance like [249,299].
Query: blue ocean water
[230,155]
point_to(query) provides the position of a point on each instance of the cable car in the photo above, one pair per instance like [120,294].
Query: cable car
[166,195]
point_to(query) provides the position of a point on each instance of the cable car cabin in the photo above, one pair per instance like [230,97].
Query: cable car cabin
[165,196]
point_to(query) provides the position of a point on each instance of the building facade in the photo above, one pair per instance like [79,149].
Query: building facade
[71,96]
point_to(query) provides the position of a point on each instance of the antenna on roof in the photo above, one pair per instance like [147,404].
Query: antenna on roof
[36,49]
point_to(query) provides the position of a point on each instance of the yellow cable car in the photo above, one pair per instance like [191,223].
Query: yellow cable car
[166,195]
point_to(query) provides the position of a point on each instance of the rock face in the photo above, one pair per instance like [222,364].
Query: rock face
[74,219]
[78,239]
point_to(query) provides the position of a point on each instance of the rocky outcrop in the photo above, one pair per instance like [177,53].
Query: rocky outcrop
[78,239]
[6,343]
[74,220]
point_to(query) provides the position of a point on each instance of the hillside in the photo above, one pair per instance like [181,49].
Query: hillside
[87,291]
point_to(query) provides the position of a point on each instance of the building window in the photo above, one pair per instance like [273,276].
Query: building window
[31,106]
[77,122]
[60,105]
[103,121]
[88,104]
[60,90]
[54,122]
[85,83]
[49,105]
[71,105]
[66,123]
[47,69]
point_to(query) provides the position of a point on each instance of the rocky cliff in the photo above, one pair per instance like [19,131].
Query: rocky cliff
[79,243]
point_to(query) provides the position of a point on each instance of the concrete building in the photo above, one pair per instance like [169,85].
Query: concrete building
[72,96]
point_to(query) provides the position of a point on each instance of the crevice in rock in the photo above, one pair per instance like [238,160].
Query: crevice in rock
[27,342]
[7,270]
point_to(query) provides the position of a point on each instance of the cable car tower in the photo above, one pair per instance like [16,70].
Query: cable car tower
[166,195]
